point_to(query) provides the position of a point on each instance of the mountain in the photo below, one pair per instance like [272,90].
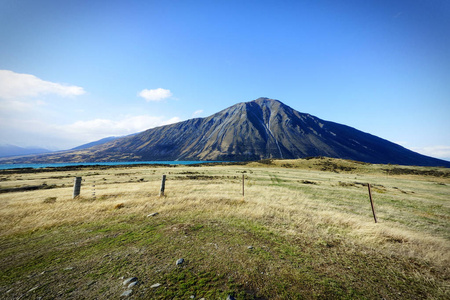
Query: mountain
[12,150]
[263,128]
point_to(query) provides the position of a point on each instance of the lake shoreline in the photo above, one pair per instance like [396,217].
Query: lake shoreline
[101,165]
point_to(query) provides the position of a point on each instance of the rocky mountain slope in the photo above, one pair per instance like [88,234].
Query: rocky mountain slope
[263,128]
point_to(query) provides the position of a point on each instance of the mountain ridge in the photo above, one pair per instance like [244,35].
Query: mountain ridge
[254,130]
[95,143]
[7,150]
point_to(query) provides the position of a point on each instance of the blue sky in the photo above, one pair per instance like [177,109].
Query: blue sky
[77,71]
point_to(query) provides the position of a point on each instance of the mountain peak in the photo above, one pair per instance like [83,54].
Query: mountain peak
[265,101]
[262,99]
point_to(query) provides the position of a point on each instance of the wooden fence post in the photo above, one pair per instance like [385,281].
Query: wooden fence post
[242,185]
[163,186]
[76,187]
[371,203]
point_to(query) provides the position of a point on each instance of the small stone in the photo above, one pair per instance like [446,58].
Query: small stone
[131,285]
[126,293]
[180,261]
[153,214]
[156,285]
[192,297]
[91,283]
[68,268]
[129,280]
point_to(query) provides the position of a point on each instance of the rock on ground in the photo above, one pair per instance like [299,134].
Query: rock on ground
[126,293]
[129,280]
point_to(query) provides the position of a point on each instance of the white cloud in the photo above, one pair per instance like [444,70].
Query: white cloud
[442,152]
[197,112]
[15,106]
[14,85]
[100,128]
[171,121]
[155,95]
[44,134]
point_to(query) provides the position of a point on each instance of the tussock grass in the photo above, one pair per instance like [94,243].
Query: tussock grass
[309,240]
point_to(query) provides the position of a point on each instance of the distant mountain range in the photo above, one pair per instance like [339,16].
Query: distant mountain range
[12,150]
[259,129]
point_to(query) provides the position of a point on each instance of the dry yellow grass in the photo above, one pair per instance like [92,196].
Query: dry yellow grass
[285,209]
[294,201]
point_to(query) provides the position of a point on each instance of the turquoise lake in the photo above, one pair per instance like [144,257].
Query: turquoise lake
[55,165]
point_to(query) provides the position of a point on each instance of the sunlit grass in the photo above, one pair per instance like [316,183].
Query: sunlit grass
[312,231]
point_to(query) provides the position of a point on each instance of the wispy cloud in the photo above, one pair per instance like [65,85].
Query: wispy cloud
[398,15]
[43,133]
[197,113]
[100,128]
[155,95]
[442,152]
[15,86]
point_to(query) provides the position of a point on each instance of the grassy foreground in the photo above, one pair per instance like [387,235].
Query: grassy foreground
[304,230]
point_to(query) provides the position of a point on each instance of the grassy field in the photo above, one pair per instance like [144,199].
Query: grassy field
[303,230]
